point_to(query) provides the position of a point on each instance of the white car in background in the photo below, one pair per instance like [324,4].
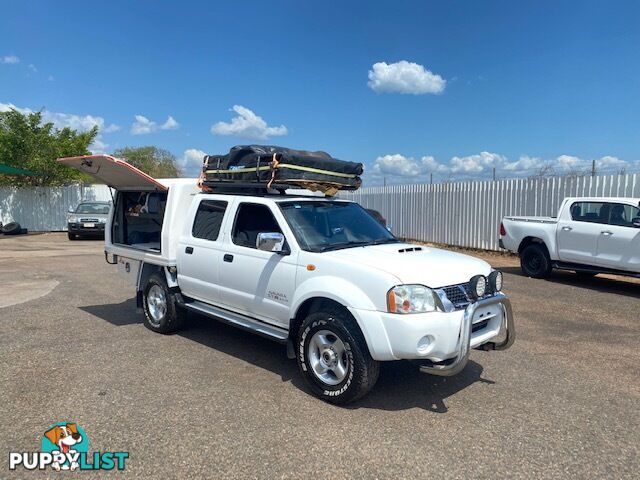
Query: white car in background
[589,236]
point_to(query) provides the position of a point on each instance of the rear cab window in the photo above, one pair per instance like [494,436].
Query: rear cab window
[208,219]
[591,212]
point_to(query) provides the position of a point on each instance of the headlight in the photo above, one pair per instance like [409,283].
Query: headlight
[478,286]
[495,281]
[73,219]
[102,220]
[411,299]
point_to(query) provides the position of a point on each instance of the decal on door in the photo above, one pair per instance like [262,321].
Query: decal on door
[277,297]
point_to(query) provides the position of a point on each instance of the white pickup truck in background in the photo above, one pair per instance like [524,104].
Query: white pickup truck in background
[589,236]
[320,275]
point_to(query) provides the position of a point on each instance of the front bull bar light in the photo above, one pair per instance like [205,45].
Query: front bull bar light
[477,287]
[495,281]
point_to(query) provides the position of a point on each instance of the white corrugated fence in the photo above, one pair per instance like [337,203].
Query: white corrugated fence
[44,209]
[464,214]
[468,214]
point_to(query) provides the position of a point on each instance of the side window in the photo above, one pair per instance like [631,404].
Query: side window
[623,215]
[593,212]
[252,219]
[208,219]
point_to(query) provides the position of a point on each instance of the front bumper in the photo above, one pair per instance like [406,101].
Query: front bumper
[440,340]
[80,229]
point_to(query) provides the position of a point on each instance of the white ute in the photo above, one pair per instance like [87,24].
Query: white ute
[589,235]
[320,275]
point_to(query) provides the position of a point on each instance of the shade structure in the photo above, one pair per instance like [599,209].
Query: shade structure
[9,170]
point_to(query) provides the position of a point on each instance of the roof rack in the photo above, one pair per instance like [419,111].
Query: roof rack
[251,189]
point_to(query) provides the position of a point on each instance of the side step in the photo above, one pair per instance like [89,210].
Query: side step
[578,267]
[237,320]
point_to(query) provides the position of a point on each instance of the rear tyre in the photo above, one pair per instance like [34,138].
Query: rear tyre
[161,311]
[333,357]
[11,228]
[71,236]
[535,261]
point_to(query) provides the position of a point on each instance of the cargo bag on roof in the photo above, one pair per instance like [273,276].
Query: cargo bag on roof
[270,167]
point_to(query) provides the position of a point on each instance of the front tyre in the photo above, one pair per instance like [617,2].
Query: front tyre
[334,359]
[161,311]
[535,261]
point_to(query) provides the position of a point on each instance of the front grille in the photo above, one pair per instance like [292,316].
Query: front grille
[89,220]
[457,294]
[479,325]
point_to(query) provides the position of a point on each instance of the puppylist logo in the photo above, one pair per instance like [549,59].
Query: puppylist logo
[65,446]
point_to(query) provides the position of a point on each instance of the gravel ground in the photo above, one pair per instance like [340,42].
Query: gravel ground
[215,402]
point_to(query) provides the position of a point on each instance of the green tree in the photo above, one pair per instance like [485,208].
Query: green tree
[151,160]
[26,142]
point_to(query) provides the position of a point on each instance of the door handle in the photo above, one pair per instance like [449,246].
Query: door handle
[188,250]
[228,258]
[606,233]
[566,229]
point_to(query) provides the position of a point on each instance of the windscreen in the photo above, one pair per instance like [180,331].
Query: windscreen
[322,225]
[95,208]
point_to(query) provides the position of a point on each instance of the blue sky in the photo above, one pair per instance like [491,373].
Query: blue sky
[409,88]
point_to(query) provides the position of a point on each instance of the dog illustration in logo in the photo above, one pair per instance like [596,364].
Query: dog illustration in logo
[64,437]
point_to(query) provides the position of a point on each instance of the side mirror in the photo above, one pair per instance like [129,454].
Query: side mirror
[636,222]
[71,209]
[271,242]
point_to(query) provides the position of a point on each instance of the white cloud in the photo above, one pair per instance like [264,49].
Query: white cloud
[433,166]
[567,162]
[143,126]
[404,77]
[170,124]
[98,146]
[611,162]
[191,162]
[525,162]
[51,78]
[10,59]
[247,125]
[477,163]
[32,67]
[396,168]
[396,164]
[81,123]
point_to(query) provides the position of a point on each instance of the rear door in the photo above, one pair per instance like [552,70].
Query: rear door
[200,251]
[619,241]
[578,232]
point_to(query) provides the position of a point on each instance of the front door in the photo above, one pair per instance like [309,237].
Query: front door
[619,241]
[255,282]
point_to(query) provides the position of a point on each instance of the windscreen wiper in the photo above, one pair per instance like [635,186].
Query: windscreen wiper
[337,246]
[384,240]
[350,244]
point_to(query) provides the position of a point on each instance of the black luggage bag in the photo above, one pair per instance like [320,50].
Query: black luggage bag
[271,167]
